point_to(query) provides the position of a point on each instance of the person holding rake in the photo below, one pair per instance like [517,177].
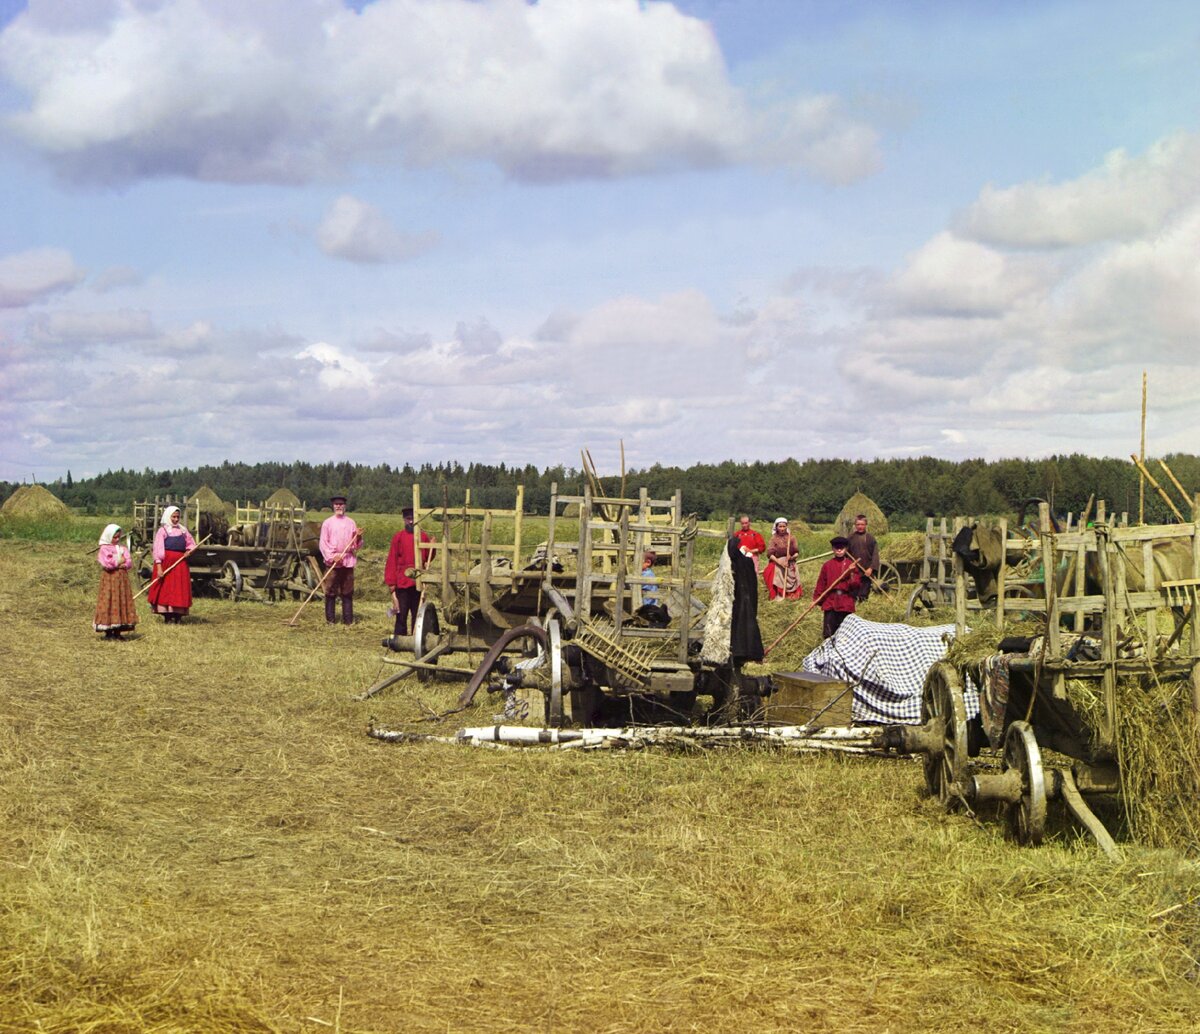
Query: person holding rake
[837,586]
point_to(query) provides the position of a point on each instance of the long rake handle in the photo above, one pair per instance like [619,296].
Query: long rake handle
[317,588]
[158,578]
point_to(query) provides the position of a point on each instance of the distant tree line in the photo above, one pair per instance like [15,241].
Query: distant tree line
[904,489]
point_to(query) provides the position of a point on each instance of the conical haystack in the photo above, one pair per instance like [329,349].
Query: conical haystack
[209,501]
[283,497]
[858,503]
[34,501]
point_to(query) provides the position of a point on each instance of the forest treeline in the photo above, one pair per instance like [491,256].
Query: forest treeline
[904,489]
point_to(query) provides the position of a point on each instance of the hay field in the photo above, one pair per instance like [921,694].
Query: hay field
[196,835]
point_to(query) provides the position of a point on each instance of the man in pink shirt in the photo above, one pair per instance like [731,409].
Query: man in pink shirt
[340,540]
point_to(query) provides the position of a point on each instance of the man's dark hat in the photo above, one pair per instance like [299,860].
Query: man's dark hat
[841,542]
[406,512]
[337,498]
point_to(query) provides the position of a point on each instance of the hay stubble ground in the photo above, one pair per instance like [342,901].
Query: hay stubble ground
[196,834]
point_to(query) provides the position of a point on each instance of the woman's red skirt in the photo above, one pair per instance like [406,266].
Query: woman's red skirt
[171,594]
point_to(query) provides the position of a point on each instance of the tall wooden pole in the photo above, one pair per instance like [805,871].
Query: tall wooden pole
[1142,457]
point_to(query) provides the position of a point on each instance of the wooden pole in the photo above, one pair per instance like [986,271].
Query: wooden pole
[1142,454]
[159,578]
[1178,487]
[1158,488]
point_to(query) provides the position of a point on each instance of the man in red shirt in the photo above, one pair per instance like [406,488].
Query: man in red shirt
[750,540]
[400,573]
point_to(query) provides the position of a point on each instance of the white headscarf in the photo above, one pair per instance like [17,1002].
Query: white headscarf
[166,516]
[779,521]
[106,536]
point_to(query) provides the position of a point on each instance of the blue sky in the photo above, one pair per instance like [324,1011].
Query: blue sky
[410,230]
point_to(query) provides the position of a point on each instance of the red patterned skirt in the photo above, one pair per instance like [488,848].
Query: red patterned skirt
[171,594]
[115,610]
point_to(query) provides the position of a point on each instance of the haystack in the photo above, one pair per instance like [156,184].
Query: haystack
[858,503]
[283,497]
[34,501]
[209,501]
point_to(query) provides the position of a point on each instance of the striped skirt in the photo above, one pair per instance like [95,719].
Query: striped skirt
[115,610]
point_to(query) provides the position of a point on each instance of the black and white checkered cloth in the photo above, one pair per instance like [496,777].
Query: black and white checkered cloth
[886,665]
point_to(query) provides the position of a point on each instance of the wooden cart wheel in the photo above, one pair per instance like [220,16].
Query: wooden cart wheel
[1026,817]
[887,579]
[230,581]
[554,693]
[921,598]
[304,575]
[943,708]
[425,626]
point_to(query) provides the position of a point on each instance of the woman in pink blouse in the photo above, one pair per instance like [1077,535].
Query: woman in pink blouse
[171,591]
[115,610]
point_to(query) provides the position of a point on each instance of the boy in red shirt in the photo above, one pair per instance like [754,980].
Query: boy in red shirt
[835,587]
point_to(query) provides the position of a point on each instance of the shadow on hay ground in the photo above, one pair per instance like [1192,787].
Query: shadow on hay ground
[196,834]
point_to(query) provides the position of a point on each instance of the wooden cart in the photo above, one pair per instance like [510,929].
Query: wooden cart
[268,553]
[569,620]
[1123,640]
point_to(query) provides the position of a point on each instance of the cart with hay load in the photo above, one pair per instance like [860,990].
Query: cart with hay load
[267,552]
[573,622]
[1106,710]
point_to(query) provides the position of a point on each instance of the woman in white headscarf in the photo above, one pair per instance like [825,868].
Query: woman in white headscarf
[782,573]
[171,588]
[115,610]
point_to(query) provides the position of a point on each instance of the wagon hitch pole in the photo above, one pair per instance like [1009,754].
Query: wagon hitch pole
[317,588]
[404,672]
[160,577]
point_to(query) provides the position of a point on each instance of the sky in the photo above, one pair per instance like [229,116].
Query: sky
[400,231]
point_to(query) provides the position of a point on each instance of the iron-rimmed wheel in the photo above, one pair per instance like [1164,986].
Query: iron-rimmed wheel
[921,598]
[945,712]
[230,581]
[887,579]
[1026,816]
[425,627]
[554,694]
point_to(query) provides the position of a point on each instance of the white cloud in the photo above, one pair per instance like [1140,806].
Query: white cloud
[1125,198]
[28,277]
[948,274]
[359,232]
[335,368]
[291,91]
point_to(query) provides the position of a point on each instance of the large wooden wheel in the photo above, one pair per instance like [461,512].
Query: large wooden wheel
[425,627]
[1027,815]
[229,583]
[887,579]
[923,597]
[944,714]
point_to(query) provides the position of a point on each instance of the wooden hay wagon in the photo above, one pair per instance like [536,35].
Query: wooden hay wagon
[575,620]
[1076,691]
[268,551]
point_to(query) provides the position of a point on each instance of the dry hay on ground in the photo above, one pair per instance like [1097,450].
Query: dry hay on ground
[34,501]
[858,503]
[196,833]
